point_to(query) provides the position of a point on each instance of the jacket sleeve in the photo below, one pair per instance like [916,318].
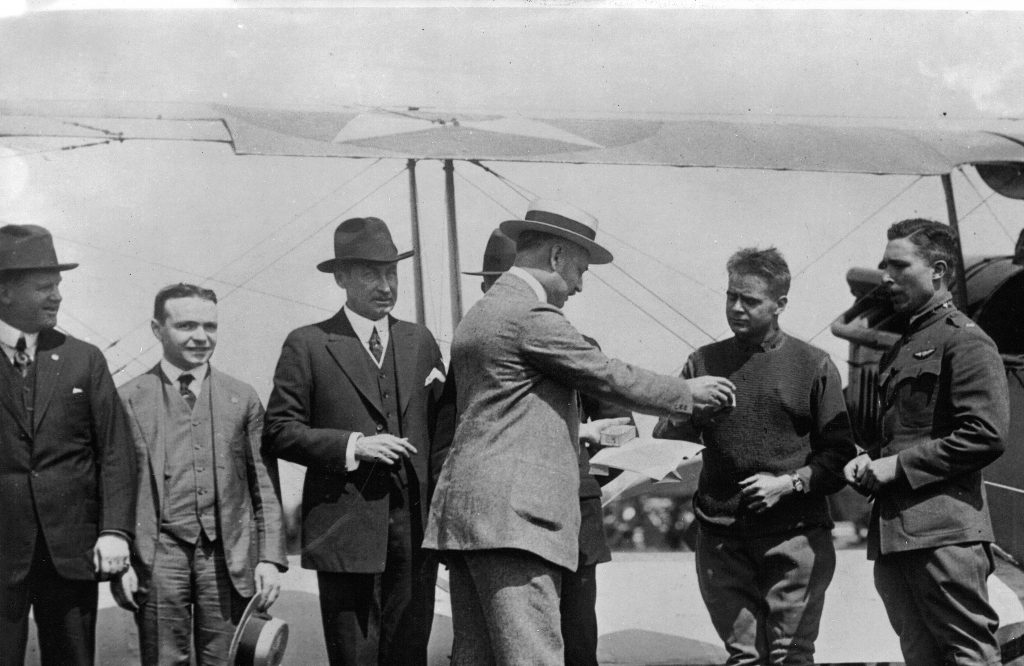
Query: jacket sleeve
[832,441]
[115,451]
[686,428]
[263,490]
[978,407]
[289,433]
[557,349]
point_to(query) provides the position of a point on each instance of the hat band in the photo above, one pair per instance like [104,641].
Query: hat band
[566,223]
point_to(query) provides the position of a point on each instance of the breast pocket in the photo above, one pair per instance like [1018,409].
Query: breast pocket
[915,393]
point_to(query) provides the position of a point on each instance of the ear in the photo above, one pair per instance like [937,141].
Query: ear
[154,326]
[339,279]
[555,256]
[780,304]
[940,270]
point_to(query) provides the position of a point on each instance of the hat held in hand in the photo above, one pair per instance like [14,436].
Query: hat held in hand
[259,640]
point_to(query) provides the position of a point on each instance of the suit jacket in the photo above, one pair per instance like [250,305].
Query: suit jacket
[511,479]
[324,392]
[73,466]
[945,409]
[248,510]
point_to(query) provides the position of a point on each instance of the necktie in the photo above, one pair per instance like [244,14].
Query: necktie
[183,388]
[22,361]
[376,348]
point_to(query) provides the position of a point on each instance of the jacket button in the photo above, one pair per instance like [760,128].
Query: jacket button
[380,427]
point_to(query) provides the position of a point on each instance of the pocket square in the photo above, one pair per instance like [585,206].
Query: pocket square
[76,391]
[435,375]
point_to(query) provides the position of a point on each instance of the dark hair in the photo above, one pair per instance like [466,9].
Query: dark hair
[530,239]
[179,290]
[934,241]
[767,264]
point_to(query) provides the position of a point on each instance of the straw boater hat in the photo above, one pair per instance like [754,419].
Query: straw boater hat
[560,219]
[499,255]
[259,640]
[27,247]
[362,239]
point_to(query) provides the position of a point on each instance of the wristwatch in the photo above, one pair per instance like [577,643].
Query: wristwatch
[798,483]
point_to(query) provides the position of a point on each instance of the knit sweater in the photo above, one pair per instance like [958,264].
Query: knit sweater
[790,416]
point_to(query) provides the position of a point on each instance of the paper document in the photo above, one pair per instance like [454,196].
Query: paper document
[648,465]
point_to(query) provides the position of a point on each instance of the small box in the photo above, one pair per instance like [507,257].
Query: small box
[617,435]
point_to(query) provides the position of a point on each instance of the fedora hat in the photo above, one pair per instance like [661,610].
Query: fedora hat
[259,640]
[560,219]
[27,247]
[362,239]
[499,255]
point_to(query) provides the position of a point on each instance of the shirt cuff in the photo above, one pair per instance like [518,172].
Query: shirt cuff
[351,464]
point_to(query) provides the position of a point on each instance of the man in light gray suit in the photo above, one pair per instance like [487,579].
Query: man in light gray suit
[506,513]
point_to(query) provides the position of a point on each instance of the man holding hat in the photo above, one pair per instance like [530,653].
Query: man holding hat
[506,509]
[67,464]
[359,400]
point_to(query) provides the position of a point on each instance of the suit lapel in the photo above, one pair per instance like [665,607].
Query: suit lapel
[49,361]
[351,357]
[143,402]
[8,397]
[404,345]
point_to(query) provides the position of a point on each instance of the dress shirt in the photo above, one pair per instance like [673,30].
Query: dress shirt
[363,328]
[534,283]
[198,373]
[9,339]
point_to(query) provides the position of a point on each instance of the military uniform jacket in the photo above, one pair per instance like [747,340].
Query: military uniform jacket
[945,411]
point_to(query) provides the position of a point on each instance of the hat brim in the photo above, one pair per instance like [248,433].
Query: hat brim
[483,273]
[332,265]
[52,267]
[250,610]
[598,255]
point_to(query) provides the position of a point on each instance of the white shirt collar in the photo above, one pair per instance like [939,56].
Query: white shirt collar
[173,372]
[9,338]
[363,328]
[534,283]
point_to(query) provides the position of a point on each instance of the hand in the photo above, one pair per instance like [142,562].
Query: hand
[714,392]
[383,448]
[763,491]
[110,554]
[590,432]
[124,588]
[268,583]
[871,475]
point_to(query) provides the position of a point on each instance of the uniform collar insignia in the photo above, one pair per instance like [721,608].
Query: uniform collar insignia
[924,353]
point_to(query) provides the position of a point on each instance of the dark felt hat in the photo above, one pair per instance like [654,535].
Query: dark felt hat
[259,640]
[560,219]
[362,239]
[499,255]
[27,247]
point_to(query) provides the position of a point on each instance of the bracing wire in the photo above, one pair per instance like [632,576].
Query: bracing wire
[44,151]
[670,330]
[984,202]
[662,301]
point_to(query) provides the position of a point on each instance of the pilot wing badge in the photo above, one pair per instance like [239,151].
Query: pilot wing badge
[924,353]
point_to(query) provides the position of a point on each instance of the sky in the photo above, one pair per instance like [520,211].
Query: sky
[139,215]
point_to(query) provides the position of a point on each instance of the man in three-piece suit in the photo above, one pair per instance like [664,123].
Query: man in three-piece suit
[359,400]
[945,412]
[67,466]
[506,510]
[209,534]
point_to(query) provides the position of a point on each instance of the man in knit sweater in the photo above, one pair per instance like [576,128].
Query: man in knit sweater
[764,548]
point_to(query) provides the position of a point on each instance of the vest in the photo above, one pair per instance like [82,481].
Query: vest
[190,487]
[387,388]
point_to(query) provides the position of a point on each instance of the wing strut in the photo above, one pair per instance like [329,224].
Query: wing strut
[417,258]
[453,243]
[960,288]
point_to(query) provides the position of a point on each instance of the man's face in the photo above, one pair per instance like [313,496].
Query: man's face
[570,264]
[911,280]
[188,332]
[750,307]
[371,288]
[30,303]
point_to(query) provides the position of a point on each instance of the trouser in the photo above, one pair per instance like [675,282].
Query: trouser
[765,595]
[504,608]
[383,618]
[188,602]
[579,615]
[64,611]
[937,601]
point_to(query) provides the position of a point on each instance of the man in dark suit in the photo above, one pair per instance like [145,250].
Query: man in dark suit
[945,412]
[359,400]
[577,604]
[506,509]
[67,465]
[209,534]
